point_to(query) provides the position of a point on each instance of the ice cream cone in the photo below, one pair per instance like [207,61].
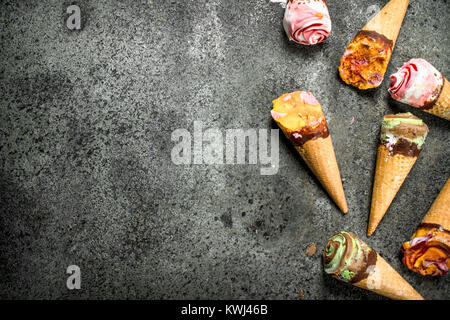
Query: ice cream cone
[402,139]
[428,250]
[439,212]
[366,58]
[389,20]
[300,117]
[441,107]
[390,173]
[350,259]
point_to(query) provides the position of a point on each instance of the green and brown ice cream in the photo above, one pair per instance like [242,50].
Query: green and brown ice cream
[347,258]
[403,133]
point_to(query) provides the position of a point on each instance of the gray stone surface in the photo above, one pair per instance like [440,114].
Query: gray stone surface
[85,140]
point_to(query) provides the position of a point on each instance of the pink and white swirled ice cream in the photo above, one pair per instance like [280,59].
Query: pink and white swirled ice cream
[416,83]
[307,21]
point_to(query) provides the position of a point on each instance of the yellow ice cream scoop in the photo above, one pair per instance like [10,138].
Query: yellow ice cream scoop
[300,116]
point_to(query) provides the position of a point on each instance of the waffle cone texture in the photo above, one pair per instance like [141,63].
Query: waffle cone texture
[385,281]
[320,157]
[439,212]
[389,20]
[390,173]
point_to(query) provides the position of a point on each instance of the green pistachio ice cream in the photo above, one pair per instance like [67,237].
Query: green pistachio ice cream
[403,133]
[347,257]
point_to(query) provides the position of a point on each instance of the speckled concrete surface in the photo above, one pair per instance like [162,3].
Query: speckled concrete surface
[86,175]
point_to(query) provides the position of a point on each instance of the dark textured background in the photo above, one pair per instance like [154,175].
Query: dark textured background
[85,138]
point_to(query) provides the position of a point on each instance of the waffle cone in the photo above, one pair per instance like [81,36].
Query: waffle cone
[389,20]
[439,212]
[390,173]
[320,158]
[441,107]
[384,280]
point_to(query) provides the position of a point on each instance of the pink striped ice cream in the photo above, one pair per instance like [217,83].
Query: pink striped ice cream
[307,21]
[417,83]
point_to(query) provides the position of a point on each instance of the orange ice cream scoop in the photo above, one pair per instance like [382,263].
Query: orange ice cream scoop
[365,61]
[428,250]
[300,116]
